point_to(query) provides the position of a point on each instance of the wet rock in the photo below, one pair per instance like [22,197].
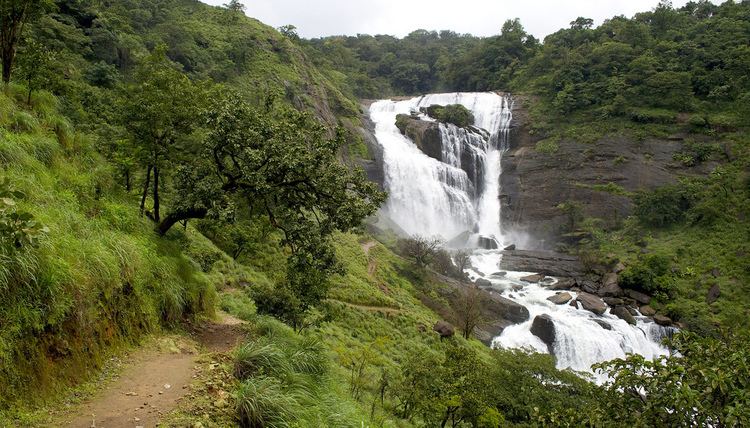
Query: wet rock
[532,278]
[563,284]
[481,282]
[647,311]
[560,298]
[592,303]
[544,328]
[610,287]
[662,320]
[574,303]
[516,287]
[487,242]
[603,324]
[638,296]
[444,329]
[623,313]
[588,286]
[506,308]
[510,247]
[547,280]
[545,262]
[713,294]
[613,301]
[500,274]
[633,311]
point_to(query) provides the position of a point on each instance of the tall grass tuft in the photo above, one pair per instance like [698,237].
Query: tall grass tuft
[263,402]
[260,356]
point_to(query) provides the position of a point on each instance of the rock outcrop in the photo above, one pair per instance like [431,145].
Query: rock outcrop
[544,328]
[560,298]
[543,262]
[592,303]
[623,313]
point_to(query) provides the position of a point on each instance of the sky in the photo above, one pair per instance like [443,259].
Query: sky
[315,18]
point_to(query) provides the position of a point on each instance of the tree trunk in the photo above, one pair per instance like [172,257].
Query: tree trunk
[127,179]
[7,63]
[145,189]
[177,216]
[157,218]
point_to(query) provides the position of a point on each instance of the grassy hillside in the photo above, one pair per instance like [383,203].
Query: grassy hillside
[100,278]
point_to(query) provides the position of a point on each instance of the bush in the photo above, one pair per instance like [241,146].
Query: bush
[664,206]
[455,114]
[649,274]
[548,146]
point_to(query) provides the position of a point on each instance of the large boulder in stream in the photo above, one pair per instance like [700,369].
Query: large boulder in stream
[507,309]
[592,303]
[544,328]
[481,282]
[560,298]
[623,313]
[487,243]
[543,262]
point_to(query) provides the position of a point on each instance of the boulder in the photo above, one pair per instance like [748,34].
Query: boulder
[592,303]
[623,313]
[459,241]
[500,274]
[574,303]
[547,280]
[510,247]
[544,328]
[563,284]
[444,329]
[713,294]
[588,286]
[506,308]
[603,324]
[639,297]
[619,267]
[647,311]
[487,242]
[610,287]
[560,298]
[481,282]
[662,320]
[532,278]
[613,301]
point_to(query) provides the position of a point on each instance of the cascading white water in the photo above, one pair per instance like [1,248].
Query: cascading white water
[436,197]
[430,197]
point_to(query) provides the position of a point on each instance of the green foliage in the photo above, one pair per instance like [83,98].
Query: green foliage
[650,273]
[664,206]
[704,383]
[18,229]
[548,146]
[455,114]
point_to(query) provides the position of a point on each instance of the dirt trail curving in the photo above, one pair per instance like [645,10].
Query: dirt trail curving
[154,379]
[371,265]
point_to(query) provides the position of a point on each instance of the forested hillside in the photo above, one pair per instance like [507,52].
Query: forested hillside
[165,160]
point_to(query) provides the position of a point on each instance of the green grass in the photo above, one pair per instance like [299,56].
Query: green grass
[99,280]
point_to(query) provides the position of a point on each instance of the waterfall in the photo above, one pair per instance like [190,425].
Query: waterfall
[435,196]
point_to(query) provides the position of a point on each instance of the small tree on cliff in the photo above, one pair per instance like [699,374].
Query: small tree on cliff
[422,250]
[468,310]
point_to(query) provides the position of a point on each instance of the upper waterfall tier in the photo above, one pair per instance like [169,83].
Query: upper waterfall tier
[451,187]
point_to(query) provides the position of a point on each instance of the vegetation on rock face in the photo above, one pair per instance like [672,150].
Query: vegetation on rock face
[455,114]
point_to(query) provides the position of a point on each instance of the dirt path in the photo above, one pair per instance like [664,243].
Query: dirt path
[383,309]
[371,265]
[154,379]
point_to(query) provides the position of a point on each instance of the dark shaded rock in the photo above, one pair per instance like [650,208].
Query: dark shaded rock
[532,278]
[543,262]
[481,282]
[490,330]
[638,296]
[633,311]
[516,287]
[588,286]
[613,301]
[487,242]
[563,284]
[713,294]
[605,325]
[623,313]
[548,280]
[510,247]
[500,274]
[647,311]
[444,329]
[544,328]
[662,320]
[574,303]
[507,309]
[592,303]
[610,287]
[560,298]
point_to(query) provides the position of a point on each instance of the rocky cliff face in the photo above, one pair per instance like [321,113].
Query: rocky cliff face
[595,177]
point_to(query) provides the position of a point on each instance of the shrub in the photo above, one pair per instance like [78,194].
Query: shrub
[260,356]
[548,146]
[262,402]
[664,206]
[455,114]
[649,274]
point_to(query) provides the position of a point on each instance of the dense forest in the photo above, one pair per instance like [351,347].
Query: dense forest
[163,160]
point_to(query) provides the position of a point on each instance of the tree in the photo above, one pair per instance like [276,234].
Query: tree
[467,309]
[420,249]
[14,14]
[462,258]
[35,66]
[160,111]
[235,6]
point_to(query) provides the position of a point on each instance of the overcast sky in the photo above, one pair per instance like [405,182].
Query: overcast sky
[315,18]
